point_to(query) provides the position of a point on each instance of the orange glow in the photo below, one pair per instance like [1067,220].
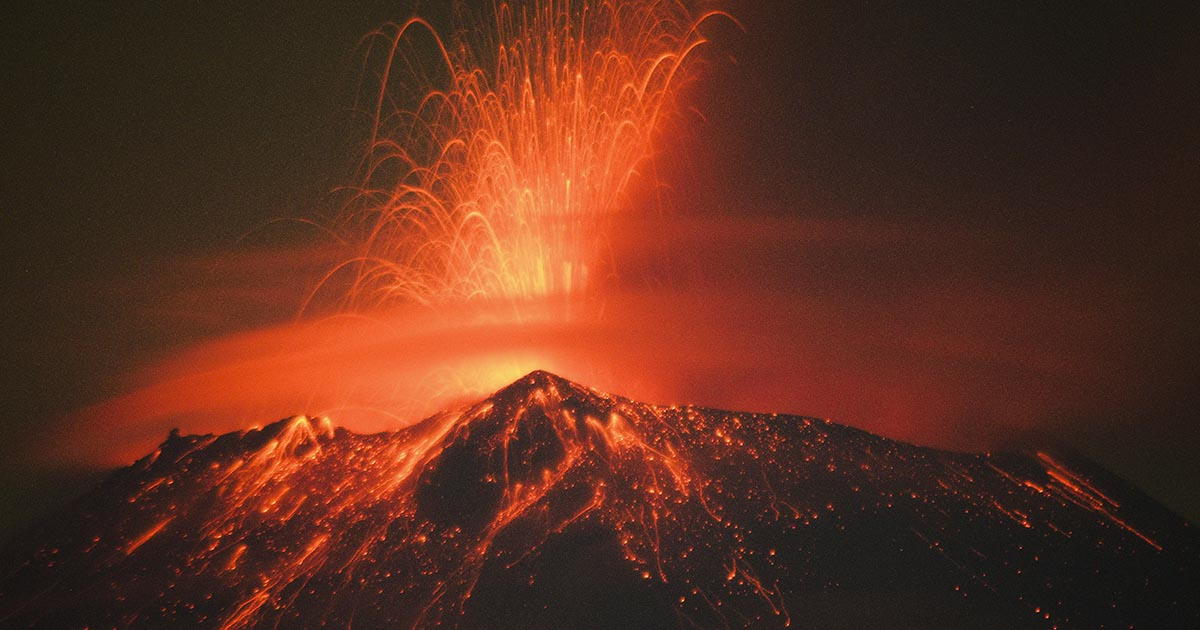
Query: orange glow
[382,371]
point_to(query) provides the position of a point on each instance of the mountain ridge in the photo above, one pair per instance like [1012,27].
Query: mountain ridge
[550,504]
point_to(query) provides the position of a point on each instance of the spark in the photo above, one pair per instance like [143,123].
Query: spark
[501,180]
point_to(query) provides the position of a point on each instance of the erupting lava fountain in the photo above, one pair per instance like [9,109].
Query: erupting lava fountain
[503,182]
[491,197]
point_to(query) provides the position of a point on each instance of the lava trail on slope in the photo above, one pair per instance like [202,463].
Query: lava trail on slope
[553,505]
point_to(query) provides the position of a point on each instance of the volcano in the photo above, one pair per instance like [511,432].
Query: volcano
[552,505]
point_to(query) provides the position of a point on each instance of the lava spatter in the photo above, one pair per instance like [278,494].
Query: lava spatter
[553,505]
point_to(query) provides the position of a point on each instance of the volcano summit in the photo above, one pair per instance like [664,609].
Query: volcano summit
[553,505]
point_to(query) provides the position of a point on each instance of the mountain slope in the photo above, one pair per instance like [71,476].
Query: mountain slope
[553,505]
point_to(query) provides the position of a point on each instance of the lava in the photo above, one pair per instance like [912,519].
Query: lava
[498,196]
[501,179]
[492,174]
[485,230]
[684,516]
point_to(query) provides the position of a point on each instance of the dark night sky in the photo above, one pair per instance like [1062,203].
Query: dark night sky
[139,132]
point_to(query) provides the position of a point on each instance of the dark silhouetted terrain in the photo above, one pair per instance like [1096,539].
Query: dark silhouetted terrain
[550,505]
